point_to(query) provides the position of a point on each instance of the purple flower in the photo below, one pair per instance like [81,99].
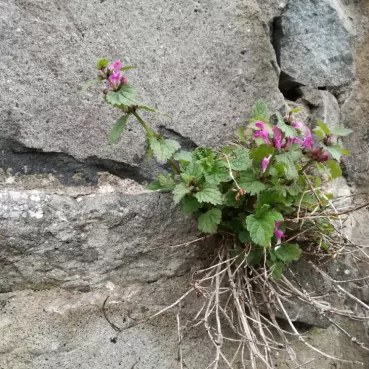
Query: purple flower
[308,140]
[278,233]
[277,139]
[324,156]
[265,163]
[115,66]
[263,132]
[114,81]
[297,125]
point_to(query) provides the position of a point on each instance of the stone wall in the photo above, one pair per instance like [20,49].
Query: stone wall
[77,225]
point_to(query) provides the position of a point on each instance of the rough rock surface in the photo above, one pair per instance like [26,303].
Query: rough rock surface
[84,237]
[201,62]
[315,43]
[71,235]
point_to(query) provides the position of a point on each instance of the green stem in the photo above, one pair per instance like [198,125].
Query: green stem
[149,132]
[174,165]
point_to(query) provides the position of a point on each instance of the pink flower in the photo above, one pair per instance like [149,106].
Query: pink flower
[278,233]
[297,125]
[277,139]
[324,156]
[265,163]
[114,81]
[115,66]
[308,140]
[263,132]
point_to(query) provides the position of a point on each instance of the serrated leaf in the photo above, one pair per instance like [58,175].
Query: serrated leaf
[162,183]
[335,151]
[118,129]
[190,205]
[334,168]
[127,67]
[126,95]
[163,149]
[261,152]
[323,127]
[249,183]
[340,131]
[244,236]
[209,221]
[259,112]
[319,132]
[261,225]
[229,199]
[285,128]
[192,172]
[179,192]
[240,159]
[102,63]
[209,193]
[218,174]
[293,189]
[288,165]
[288,252]
[183,156]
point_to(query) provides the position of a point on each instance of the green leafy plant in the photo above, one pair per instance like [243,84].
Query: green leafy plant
[263,194]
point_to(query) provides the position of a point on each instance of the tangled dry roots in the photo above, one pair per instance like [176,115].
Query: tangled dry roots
[247,302]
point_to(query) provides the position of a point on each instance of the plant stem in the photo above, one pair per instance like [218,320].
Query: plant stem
[174,165]
[149,132]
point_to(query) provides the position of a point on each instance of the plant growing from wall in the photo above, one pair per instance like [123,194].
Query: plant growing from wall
[263,196]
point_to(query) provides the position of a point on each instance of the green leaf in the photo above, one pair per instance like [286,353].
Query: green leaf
[209,221]
[163,149]
[340,131]
[209,193]
[261,225]
[249,183]
[229,199]
[319,132]
[296,110]
[277,269]
[180,191]
[285,128]
[344,151]
[244,236]
[260,112]
[289,166]
[288,252]
[323,127]
[190,205]
[335,151]
[255,257]
[183,156]
[162,183]
[261,152]
[334,168]
[192,172]
[127,67]
[153,110]
[90,84]
[102,63]
[126,95]
[118,128]
[241,134]
[218,174]
[240,159]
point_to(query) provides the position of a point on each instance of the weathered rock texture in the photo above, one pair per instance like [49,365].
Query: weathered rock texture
[72,234]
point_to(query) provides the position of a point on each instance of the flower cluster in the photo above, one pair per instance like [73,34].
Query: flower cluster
[112,75]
